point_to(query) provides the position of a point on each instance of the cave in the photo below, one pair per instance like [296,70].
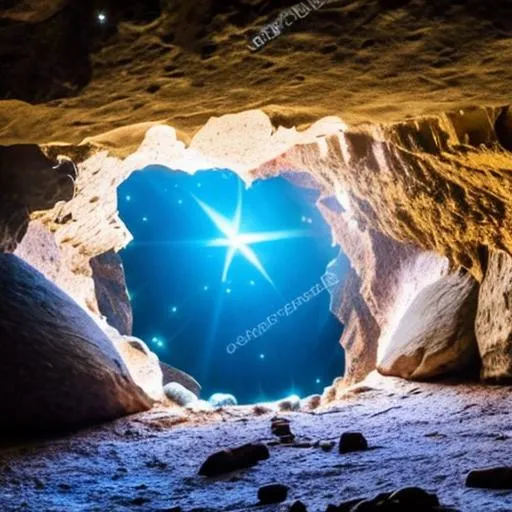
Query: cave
[392,118]
[194,291]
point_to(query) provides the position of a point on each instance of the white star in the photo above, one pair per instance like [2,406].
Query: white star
[240,242]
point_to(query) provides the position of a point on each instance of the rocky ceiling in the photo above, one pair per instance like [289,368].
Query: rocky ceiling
[64,76]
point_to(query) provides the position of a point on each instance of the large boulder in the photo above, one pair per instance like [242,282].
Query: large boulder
[436,335]
[494,319]
[58,370]
[172,374]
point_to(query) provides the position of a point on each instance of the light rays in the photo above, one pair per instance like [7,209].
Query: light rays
[237,242]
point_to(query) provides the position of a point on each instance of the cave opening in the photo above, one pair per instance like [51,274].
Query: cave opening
[230,284]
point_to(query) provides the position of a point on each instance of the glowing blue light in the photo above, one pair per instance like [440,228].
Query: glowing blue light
[128,198]
[228,290]
[154,339]
[262,356]
[251,282]
[199,185]
[160,343]
[205,287]
[180,201]
[144,219]
[317,381]
[174,309]
[240,242]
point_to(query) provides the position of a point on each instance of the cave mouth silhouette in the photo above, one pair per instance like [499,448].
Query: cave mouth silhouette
[229,283]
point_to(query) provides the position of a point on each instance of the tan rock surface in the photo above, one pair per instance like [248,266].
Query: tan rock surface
[436,334]
[494,318]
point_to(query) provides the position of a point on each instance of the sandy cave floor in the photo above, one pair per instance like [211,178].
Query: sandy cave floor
[429,435]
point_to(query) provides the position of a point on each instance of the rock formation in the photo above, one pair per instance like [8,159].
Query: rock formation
[494,321]
[58,370]
[436,334]
[396,112]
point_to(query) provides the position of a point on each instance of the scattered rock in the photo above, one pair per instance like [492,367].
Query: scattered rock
[139,500]
[260,409]
[222,400]
[273,493]
[291,403]
[403,500]
[352,442]
[179,394]
[39,484]
[228,460]
[297,506]
[490,478]
[281,428]
[326,446]
[311,402]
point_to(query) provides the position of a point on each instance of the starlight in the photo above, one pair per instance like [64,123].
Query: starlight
[238,242]
[102,17]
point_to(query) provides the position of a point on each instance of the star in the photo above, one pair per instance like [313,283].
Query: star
[174,309]
[238,242]
[262,356]
[228,290]
[251,282]
[102,18]
[318,381]
[205,287]
[180,201]
[128,198]
[144,219]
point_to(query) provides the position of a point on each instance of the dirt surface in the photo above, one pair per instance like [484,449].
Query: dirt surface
[419,434]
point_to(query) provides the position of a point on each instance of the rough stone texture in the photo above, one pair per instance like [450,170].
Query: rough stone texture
[436,334]
[397,109]
[494,318]
[143,365]
[439,434]
[58,370]
[111,293]
[184,62]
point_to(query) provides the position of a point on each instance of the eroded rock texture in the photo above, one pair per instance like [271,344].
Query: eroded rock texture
[494,318]
[436,334]
[58,369]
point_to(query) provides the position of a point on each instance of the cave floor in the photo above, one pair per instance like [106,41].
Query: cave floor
[427,435]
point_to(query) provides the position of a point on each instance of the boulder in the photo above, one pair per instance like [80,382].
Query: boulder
[222,400]
[493,324]
[58,369]
[435,336]
[172,374]
[179,394]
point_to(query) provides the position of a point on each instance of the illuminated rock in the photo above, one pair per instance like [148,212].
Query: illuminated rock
[222,400]
[179,394]
[494,319]
[59,370]
[435,335]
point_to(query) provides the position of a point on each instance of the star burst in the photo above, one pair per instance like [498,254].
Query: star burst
[240,243]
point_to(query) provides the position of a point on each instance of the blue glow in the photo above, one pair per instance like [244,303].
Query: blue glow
[215,266]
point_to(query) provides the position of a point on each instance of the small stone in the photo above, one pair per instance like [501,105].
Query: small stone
[326,446]
[346,506]
[179,394]
[139,500]
[352,442]
[64,487]
[39,484]
[273,493]
[311,402]
[228,460]
[297,506]
[222,400]
[490,478]
[414,497]
[280,426]
[291,403]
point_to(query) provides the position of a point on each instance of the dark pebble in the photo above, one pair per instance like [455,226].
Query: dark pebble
[225,461]
[273,493]
[297,506]
[490,478]
[352,442]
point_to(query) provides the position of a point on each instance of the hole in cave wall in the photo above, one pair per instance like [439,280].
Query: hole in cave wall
[189,312]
